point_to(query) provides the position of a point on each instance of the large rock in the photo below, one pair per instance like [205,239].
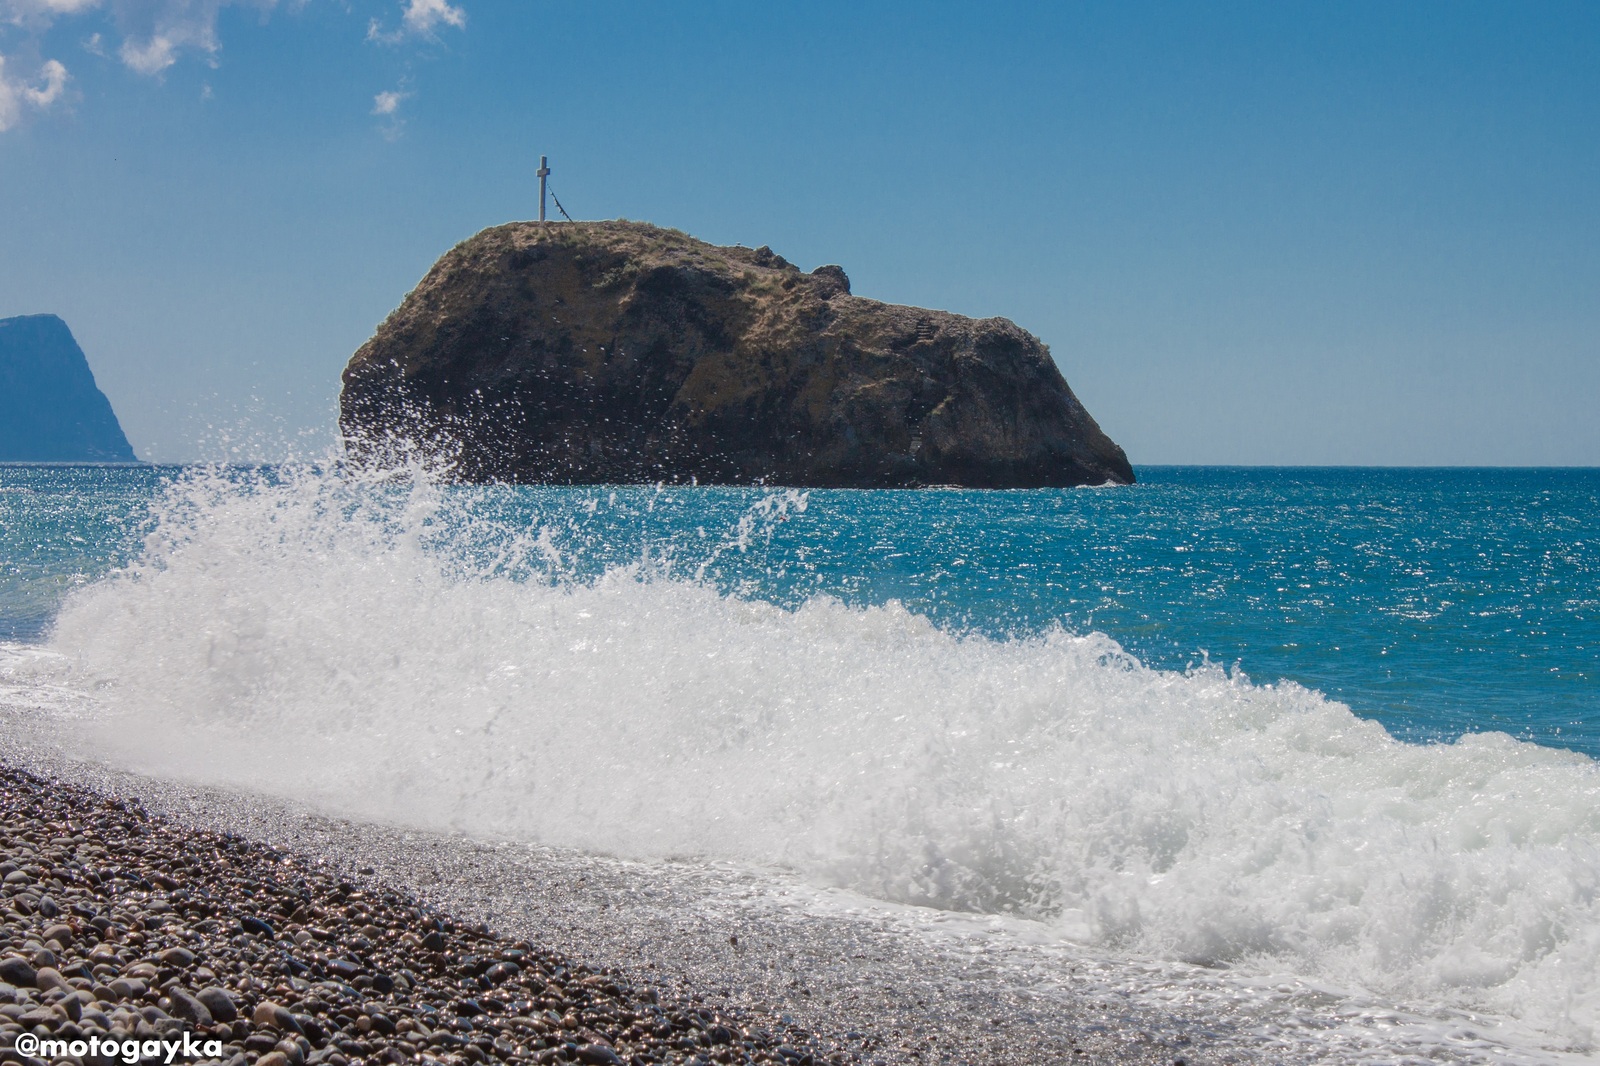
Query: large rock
[619,352]
[51,411]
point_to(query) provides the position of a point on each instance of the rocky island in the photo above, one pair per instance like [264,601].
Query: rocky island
[51,410]
[621,352]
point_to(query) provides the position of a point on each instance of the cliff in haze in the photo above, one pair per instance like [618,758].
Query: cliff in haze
[51,411]
[616,352]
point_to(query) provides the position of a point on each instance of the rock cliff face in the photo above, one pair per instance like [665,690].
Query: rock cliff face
[619,352]
[51,411]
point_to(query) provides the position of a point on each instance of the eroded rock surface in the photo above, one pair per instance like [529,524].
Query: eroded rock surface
[620,352]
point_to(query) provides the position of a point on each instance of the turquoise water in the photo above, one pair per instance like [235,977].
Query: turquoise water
[63,525]
[1434,601]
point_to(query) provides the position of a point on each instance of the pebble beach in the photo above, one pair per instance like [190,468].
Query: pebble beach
[135,908]
[120,925]
[138,909]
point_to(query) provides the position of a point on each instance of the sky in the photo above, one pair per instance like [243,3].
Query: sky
[1253,233]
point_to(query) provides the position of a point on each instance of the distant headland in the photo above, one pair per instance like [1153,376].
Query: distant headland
[620,352]
[51,410]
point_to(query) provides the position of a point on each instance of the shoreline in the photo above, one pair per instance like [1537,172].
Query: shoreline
[120,923]
[183,880]
[879,984]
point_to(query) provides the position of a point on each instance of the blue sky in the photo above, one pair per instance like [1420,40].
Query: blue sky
[1250,233]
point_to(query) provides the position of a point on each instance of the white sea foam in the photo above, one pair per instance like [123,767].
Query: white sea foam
[323,639]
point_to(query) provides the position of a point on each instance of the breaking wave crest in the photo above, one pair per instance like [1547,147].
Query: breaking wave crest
[395,649]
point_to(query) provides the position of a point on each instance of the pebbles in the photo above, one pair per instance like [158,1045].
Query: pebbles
[116,923]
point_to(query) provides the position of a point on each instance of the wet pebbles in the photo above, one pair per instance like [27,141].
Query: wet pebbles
[120,924]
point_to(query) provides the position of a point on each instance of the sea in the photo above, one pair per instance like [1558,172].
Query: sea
[1334,722]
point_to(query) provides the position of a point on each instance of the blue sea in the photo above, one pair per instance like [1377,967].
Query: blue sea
[1339,721]
[1435,601]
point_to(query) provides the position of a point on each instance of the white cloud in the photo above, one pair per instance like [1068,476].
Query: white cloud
[10,100]
[153,35]
[420,18]
[156,32]
[150,57]
[55,80]
[423,15]
[387,103]
[40,13]
[16,96]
